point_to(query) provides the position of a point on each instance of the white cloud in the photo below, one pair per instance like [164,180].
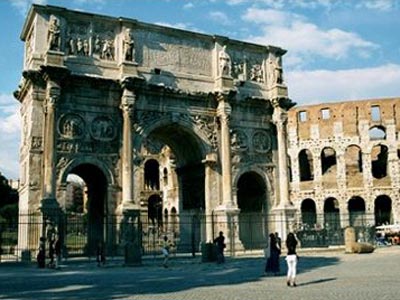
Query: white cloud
[220,17]
[279,4]
[305,39]
[382,5]
[311,87]
[188,5]
[9,136]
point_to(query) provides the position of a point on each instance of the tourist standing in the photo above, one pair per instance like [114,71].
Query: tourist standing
[220,243]
[272,264]
[291,259]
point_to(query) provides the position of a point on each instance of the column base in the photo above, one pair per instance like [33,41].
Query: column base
[227,221]
[131,236]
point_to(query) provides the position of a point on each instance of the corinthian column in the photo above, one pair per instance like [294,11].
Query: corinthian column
[223,112]
[127,104]
[52,96]
[280,120]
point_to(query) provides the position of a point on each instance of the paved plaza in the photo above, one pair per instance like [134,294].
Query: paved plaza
[322,275]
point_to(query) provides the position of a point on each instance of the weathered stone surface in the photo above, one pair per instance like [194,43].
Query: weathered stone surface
[137,110]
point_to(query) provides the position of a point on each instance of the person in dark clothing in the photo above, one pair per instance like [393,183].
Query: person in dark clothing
[57,251]
[100,255]
[272,265]
[41,256]
[291,259]
[220,242]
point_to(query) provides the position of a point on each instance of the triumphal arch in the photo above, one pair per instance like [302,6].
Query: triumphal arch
[153,119]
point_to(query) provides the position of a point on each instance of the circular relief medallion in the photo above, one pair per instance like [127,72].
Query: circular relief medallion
[103,129]
[71,126]
[261,142]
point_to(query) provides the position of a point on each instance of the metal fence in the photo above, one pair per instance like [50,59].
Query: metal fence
[80,233]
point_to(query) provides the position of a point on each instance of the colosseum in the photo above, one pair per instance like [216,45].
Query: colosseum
[344,161]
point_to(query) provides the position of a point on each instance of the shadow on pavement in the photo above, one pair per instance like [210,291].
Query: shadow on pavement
[118,282]
[322,280]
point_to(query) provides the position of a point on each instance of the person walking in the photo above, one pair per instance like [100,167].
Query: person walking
[166,244]
[291,259]
[220,242]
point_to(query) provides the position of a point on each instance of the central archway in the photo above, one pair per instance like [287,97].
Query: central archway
[251,198]
[185,191]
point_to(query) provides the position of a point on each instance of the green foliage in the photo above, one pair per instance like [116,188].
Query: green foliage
[8,202]
[9,213]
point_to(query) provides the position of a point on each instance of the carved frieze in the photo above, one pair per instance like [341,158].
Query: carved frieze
[82,40]
[208,125]
[239,140]
[103,129]
[36,143]
[78,39]
[174,54]
[71,126]
[256,73]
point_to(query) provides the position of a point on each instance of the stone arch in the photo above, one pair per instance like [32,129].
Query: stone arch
[331,213]
[377,133]
[266,179]
[356,208]
[379,161]
[252,201]
[151,175]
[95,228]
[328,161]
[309,212]
[166,122]
[383,210]
[86,160]
[354,168]
[306,170]
[189,146]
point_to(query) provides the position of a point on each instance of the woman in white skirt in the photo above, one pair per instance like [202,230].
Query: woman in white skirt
[291,259]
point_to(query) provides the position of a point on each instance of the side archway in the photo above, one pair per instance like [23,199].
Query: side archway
[252,202]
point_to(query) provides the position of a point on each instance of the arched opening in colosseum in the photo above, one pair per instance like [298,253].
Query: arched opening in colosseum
[151,175]
[328,167]
[379,161]
[377,133]
[306,170]
[353,160]
[356,208]
[154,211]
[383,210]
[308,213]
[331,214]
[251,197]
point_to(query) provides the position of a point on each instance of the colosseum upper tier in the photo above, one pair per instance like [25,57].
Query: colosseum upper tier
[344,159]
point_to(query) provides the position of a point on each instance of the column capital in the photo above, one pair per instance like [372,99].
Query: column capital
[279,117]
[128,100]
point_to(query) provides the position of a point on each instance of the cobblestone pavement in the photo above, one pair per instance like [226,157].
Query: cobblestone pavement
[322,275]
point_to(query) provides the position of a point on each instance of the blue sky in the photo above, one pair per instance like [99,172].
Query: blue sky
[337,50]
